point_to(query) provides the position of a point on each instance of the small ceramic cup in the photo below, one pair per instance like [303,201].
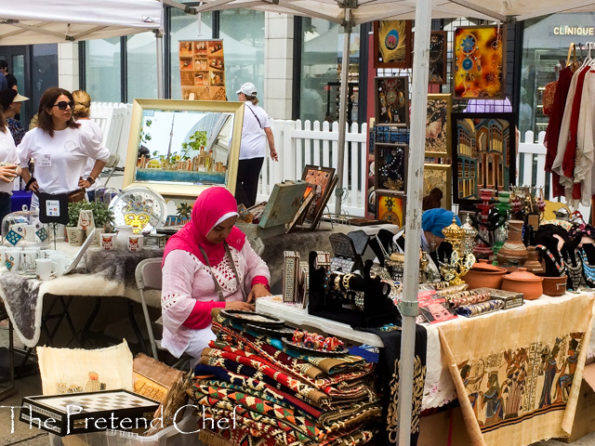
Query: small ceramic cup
[45,268]
[135,243]
[108,241]
[12,259]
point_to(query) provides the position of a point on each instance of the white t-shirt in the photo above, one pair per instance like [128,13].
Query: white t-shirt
[254,140]
[93,129]
[61,159]
[8,154]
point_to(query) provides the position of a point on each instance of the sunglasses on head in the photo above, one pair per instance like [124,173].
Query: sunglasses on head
[63,104]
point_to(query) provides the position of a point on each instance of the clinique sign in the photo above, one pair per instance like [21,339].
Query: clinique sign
[566,30]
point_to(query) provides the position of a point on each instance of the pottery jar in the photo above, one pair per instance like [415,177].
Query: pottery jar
[533,264]
[554,286]
[522,281]
[514,250]
[483,274]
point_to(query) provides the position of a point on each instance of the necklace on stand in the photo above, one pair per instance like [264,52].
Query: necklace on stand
[575,273]
[588,269]
[558,265]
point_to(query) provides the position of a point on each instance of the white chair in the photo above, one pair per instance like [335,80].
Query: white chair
[148,277]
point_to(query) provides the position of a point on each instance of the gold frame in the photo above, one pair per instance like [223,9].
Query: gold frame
[447,192]
[170,189]
[446,131]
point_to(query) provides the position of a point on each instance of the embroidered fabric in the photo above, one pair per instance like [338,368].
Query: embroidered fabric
[224,273]
[588,270]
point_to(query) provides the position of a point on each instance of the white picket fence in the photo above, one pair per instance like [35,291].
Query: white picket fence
[302,143]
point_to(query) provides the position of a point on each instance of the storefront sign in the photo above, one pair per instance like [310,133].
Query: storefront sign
[567,30]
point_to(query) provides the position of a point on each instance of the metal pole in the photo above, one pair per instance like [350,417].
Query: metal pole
[415,178]
[159,45]
[343,110]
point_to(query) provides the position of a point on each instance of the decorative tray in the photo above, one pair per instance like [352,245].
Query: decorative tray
[312,351]
[277,332]
[250,317]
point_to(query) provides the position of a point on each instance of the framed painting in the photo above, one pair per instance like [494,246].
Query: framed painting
[392,100]
[390,207]
[478,59]
[390,165]
[484,154]
[438,126]
[438,45]
[179,148]
[437,176]
[392,44]
[321,181]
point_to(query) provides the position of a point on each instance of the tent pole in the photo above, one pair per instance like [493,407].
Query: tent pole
[343,110]
[415,178]
[160,82]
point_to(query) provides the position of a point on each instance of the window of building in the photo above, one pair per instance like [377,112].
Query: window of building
[322,52]
[103,69]
[242,31]
[141,70]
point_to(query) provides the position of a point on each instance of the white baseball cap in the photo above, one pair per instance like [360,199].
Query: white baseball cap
[248,88]
[20,98]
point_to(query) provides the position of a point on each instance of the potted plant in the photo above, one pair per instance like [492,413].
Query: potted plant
[74,234]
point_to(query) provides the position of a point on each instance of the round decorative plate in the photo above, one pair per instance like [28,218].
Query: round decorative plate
[281,332]
[250,317]
[138,207]
[312,351]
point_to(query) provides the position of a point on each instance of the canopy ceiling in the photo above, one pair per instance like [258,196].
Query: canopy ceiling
[369,10]
[27,22]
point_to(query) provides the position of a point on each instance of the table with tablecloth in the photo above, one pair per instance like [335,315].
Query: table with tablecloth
[100,274]
[515,372]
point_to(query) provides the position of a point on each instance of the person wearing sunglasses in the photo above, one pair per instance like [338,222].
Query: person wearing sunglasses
[60,149]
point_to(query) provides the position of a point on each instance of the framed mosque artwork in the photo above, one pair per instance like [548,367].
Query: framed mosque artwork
[179,148]
[484,154]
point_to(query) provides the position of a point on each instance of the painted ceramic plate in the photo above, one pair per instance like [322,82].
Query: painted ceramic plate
[312,351]
[249,317]
[138,207]
[281,332]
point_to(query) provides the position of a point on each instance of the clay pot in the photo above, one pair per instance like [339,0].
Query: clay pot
[554,286]
[522,281]
[483,274]
[533,264]
[514,250]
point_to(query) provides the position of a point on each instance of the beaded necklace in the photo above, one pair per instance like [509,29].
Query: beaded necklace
[547,252]
[575,273]
[588,269]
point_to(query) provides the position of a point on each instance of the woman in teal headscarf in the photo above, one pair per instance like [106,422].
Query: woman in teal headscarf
[433,221]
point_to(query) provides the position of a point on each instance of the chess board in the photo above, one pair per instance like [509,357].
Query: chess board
[88,412]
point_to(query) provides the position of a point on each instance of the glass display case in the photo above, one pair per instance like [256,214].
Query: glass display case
[23,229]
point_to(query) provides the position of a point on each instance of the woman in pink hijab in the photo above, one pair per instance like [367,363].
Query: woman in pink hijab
[207,264]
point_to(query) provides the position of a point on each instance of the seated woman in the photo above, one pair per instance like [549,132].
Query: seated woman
[433,221]
[207,264]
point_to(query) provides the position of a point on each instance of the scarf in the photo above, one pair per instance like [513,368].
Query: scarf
[212,206]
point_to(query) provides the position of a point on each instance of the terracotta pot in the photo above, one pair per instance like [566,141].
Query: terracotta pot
[522,281]
[514,250]
[554,286]
[483,274]
[533,264]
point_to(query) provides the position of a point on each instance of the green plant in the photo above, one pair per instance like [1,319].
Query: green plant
[103,217]
[197,140]
[184,210]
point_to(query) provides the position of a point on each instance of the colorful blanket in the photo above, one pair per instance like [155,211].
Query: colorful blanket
[518,372]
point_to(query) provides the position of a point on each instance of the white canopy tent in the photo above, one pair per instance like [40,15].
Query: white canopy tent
[353,12]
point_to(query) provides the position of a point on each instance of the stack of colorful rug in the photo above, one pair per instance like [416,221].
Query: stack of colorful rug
[250,391]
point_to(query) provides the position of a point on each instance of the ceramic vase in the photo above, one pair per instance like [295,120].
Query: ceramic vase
[513,251]
[533,264]
[76,236]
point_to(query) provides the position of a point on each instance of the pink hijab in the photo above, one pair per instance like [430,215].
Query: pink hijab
[210,208]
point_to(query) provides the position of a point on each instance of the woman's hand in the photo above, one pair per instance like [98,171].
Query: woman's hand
[239,305]
[8,173]
[274,155]
[258,290]
[85,184]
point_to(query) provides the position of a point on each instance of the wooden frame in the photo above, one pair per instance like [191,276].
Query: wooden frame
[438,176]
[163,127]
[323,177]
[391,100]
[484,154]
[392,44]
[479,62]
[438,141]
[438,45]
[390,166]
[390,207]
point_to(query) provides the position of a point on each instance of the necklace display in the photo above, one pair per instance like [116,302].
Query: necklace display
[588,269]
[558,265]
[575,273]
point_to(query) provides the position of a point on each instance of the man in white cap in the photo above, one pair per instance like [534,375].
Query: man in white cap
[256,131]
